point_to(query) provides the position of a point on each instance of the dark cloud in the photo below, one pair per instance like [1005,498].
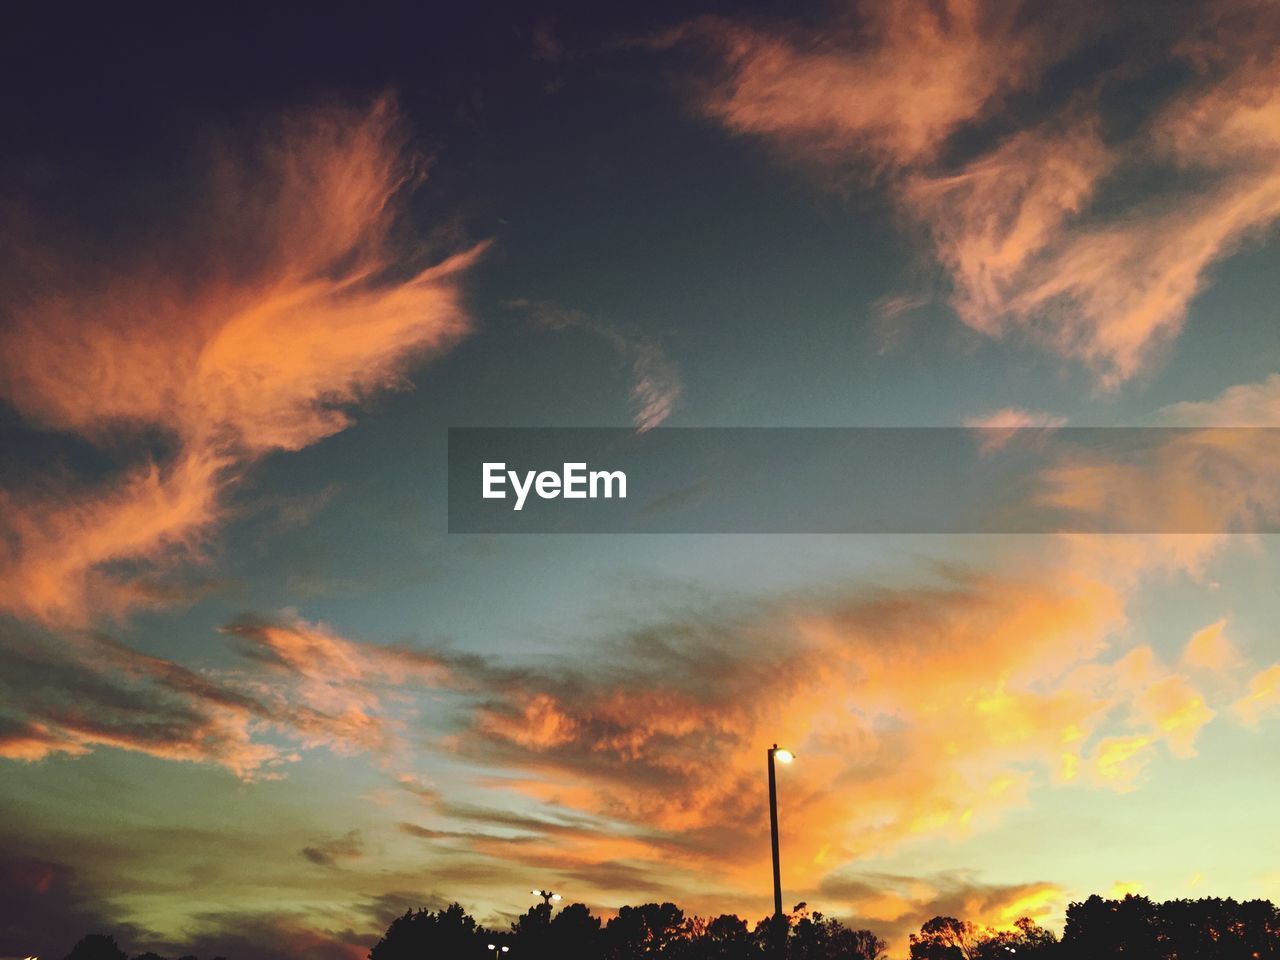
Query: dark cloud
[73,693]
[76,692]
[328,853]
[45,907]
[272,937]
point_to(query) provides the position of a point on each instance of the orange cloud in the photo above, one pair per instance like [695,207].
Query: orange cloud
[1210,649]
[916,712]
[897,905]
[34,741]
[1196,480]
[299,306]
[1243,405]
[888,89]
[993,216]
[1019,226]
[925,712]
[1263,696]
[997,428]
[1106,289]
[1177,710]
[328,691]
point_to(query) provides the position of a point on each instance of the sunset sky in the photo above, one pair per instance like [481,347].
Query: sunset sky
[256,700]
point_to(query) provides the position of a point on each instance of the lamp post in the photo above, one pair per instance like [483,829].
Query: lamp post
[547,896]
[785,756]
[499,950]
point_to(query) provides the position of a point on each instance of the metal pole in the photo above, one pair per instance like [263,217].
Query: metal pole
[773,830]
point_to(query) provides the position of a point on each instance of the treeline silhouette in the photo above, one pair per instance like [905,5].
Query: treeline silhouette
[649,930]
[1135,928]
[99,946]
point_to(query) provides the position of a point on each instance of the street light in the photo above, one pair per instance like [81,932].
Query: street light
[499,949]
[547,896]
[785,756]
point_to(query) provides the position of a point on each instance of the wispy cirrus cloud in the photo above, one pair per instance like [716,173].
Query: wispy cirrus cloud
[1103,287]
[886,86]
[656,385]
[1034,243]
[997,428]
[303,304]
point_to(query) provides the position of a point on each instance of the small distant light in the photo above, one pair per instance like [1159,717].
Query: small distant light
[536,893]
[556,897]
[785,756]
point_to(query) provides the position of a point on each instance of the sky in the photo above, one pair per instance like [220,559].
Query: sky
[256,700]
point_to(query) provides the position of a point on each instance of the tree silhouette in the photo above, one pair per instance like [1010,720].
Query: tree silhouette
[576,933]
[97,946]
[1207,929]
[1134,928]
[771,934]
[1027,940]
[652,929]
[423,935]
[945,938]
[727,938]
[531,933]
[1106,928]
[815,937]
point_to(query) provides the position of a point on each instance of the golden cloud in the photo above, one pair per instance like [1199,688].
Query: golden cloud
[917,712]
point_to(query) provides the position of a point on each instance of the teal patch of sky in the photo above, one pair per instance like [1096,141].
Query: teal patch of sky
[1232,332]
[1237,584]
[757,279]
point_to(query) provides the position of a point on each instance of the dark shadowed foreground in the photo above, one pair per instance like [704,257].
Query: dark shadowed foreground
[1135,928]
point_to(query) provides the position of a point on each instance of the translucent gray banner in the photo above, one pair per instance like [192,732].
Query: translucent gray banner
[864,480]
